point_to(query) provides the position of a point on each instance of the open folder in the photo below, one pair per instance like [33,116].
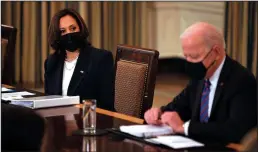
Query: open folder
[160,135]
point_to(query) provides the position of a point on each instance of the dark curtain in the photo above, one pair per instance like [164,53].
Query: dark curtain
[241,32]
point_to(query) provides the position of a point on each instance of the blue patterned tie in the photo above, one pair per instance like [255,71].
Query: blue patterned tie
[205,102]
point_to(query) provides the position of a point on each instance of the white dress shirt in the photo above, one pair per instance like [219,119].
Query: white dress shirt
[67,75]
[214,81]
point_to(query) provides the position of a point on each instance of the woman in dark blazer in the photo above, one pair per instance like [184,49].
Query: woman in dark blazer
[76,67]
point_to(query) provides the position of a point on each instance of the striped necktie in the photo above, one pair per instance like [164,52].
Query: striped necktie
[205,102]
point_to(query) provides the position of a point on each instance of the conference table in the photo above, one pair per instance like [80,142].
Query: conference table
[61,122]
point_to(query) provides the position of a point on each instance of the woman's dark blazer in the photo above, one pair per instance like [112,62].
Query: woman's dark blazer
[93,76]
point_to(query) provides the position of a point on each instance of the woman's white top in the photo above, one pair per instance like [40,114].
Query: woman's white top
[67,75]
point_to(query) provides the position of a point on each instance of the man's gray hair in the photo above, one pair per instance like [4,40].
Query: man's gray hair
[208,36]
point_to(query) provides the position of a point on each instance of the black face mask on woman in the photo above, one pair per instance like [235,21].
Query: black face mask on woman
[197,70]
[71,41]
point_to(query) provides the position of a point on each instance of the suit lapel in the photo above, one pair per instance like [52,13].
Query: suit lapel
[196,106]
[55,67]
[221,83]
[59,76]
[80,71]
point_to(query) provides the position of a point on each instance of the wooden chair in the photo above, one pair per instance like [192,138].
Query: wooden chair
[135,79]
[8,41]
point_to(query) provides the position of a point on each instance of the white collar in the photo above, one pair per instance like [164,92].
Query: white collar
[215,77]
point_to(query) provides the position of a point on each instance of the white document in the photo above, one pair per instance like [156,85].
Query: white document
[177,142]
[11,97]
[15,95]
[5,89]
[12,94]
[147,131]
[150,140]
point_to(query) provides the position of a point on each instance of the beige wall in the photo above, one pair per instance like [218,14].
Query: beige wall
[169,19]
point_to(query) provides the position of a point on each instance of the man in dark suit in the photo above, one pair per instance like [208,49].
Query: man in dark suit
[219,103]
[22,129]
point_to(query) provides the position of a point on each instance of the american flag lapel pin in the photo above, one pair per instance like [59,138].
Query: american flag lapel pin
[82,72]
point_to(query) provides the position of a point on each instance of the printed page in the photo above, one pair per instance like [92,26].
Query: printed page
[147,131]
[177,142]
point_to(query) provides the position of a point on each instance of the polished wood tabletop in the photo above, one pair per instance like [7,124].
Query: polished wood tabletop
[61,122]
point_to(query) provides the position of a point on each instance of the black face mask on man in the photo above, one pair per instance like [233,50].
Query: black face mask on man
[71,41]
[197,70]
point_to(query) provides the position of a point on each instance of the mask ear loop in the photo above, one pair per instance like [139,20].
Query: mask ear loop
[206,56]
[212,62]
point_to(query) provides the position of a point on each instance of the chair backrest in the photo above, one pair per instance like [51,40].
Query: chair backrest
[135,79]
[8,41]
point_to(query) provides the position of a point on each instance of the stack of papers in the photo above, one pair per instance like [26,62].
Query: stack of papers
[146,131]
[3,89]
[46,101]
[15,95]
[176,142]
[158,136]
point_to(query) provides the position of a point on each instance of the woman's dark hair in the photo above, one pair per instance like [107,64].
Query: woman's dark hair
[54,32]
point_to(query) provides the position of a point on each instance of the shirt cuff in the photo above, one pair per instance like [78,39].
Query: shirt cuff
[186,126]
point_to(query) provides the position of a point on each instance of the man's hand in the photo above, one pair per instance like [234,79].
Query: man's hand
[174,121]
[152,116]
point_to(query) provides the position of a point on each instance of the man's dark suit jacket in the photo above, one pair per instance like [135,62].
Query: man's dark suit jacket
[22,129]
[93,76]
[234,109]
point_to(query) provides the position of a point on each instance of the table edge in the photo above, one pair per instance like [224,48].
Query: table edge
[116,115]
